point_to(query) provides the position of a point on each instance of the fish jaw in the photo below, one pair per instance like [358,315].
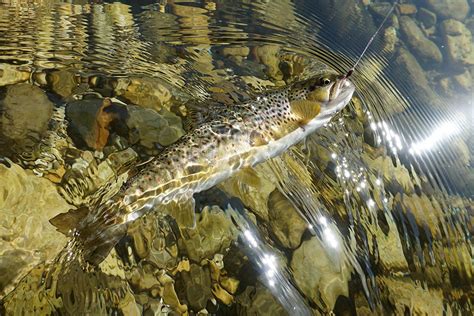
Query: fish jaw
[341,94]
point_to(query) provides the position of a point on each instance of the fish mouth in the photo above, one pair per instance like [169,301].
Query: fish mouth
[340,94]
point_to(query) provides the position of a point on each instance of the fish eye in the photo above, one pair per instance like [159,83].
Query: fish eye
[325,81]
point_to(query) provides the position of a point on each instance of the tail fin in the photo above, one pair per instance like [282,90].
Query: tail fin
[97,232]
[66,222]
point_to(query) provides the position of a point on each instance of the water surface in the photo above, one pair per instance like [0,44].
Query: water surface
[372,214]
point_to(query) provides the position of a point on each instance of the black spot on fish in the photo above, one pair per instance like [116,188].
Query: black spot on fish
[192,169]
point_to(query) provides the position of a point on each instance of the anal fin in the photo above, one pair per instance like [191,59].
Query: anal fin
[249,176]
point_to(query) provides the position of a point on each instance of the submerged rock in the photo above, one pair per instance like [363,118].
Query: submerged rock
[269,56]
[198,286]
[153,240]
[427,17]
[89,122]
[259,301]
[252,189]
[214,233]
[285,221]
[10,74]
[451,86]
[450,9]
[63,82]
[407,9]
[389,247]
[427,213]
[236,53]
[396,176]
[390,38]
[47,158]
[26,236]
[52,289]
[459,43]
[146,92]
[408,67]
[425,49]
[408,296]
[317,275]
[464,81]
[380,9]
[25,111]
[149,128]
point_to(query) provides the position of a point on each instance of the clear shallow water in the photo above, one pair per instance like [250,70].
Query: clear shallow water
[386,188]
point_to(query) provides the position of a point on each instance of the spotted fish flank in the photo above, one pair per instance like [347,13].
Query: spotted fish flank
[231,138]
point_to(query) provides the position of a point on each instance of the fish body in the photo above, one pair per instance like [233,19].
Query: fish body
[234,138]
[231,139]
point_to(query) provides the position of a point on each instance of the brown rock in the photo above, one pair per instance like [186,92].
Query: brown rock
[409,68]
[10,74]
[89,122]
[27,203]
[459,43]
[237,53]
[268,55]
[464,81]
[198,286]
[380,9]
[221,294]
[285,221]
[62,82]
[425,49]
[389,248]
[26,111]
[407,9]
[450,9]
[427,17]
[259,301]
[252,189]
[316,274]
[147,92]
[151,127]
[214,233]
[427,212]
[460,83]
[406,295]
[103,120]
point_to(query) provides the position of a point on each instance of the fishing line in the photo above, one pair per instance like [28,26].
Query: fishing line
[349,73]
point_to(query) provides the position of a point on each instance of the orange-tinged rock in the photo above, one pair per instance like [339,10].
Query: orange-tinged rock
[103,121]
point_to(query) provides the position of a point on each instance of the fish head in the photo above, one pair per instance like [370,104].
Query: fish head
[327,92]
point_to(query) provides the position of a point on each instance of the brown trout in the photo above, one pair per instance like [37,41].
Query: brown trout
[231,139]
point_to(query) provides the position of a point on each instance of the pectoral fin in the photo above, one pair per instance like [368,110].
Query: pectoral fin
[248,176]
[305,109]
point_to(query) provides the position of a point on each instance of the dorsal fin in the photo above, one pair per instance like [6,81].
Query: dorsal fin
[197,114]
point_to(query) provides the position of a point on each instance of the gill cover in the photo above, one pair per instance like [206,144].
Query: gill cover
[307,98]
